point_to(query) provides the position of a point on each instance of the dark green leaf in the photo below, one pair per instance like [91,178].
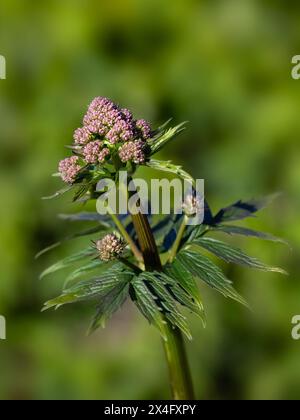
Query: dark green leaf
[233,255]
[238,230]
[243,209]
[146,303]
[165,300]
[203,268]
[109,304]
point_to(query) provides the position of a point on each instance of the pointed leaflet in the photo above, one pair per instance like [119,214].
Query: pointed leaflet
[87,217]
[165,302]
[59,193]
[243,209]
[87,232]
[91,289]
[146,303]
[166,137]
[239,230]
[167,166]
[109,304]
[81,271]
[67,262]
[233,255]
[204,269]
[165,284]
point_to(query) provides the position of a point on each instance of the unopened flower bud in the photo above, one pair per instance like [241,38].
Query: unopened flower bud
[110,247]
[69,169]
[133,151]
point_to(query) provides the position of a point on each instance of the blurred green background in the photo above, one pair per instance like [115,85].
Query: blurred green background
[225,66]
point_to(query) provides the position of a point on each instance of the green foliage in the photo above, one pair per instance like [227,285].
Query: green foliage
[233,255]
[204,269]
[164,137]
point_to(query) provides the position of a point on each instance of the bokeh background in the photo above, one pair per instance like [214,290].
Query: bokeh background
[225,66]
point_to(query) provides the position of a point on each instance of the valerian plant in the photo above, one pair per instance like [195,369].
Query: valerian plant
[154,263]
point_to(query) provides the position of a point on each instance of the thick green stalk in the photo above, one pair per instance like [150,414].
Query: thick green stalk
[180,377]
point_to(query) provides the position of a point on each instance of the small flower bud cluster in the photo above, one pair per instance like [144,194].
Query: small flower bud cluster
[69,169]
[95,152]
[110,247]
[133,151]
[107,131]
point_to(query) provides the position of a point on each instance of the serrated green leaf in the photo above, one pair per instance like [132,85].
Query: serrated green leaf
[183,276]
[166,137]
[87,232]
[145,302]
[242,231]
[68,261]
[233,255]
[165,301]
[168,166]
[81,271]
[168,284]
[87,217]
[204,269]
[91,289]
[109,304]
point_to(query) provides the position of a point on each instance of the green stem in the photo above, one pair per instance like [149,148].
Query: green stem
[179,237]
[180,377]
[137,253]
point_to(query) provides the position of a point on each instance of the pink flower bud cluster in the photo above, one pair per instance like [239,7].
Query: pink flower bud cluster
[107,131]
[69,169]
[133,151]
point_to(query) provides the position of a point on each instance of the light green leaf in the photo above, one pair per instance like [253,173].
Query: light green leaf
[81,271]
[166,137]
[69,261]
[91,289]
[87,232]
[59,193]
[233,255]
[168,166]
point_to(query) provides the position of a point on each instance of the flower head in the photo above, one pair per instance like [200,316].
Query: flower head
[69,169]
[110,247]
[101,116]
[82,136]
[133,151]
[122,131]
[95,152]
[144,127]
